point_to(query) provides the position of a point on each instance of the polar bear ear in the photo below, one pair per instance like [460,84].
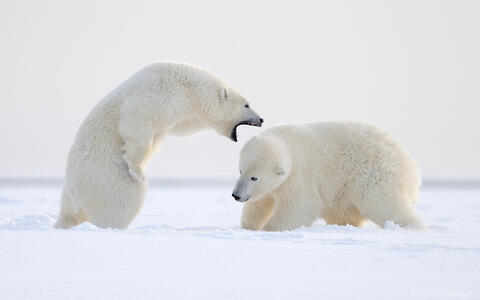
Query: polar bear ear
[279,170]
[223,93]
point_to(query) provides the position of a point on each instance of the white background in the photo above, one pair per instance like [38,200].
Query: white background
[411,67]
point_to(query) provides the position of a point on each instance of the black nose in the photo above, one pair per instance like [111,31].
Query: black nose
[261,120]
[235,197]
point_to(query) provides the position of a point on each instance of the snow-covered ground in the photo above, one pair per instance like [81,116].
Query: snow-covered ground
[186,244]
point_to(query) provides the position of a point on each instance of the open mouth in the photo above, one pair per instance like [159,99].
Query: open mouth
[233,133]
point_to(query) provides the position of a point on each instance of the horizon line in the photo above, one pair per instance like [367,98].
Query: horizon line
[211,181]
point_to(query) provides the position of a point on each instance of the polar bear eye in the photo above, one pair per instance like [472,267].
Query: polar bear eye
[247,106]
[253,178]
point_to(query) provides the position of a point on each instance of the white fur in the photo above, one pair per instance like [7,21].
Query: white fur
[104,182]
[344,173]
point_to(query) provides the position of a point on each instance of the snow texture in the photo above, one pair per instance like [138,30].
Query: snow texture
[186,244]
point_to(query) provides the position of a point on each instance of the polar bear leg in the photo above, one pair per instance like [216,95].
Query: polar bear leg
[70,215]
[66,221]
[381,206]
[350,216]
[256,213]
[289,216]
[138,147]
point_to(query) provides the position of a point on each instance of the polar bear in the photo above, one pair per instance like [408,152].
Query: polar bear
[342,172]
[104,181]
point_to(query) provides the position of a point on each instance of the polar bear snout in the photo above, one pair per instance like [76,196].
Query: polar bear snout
[252,122]
[240,199]
[241,192]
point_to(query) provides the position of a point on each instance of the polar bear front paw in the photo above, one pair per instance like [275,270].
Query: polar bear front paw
[136,174]
[250,226]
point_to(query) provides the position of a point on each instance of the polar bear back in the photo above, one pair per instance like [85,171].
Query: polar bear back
[334,153]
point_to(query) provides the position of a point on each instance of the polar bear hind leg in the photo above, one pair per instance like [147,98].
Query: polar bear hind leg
[68,218]
[381,203]
[66,221]
[349,216]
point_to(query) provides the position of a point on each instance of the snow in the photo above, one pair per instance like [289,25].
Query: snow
[186,244]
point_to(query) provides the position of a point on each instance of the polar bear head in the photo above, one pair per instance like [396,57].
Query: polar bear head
[264,165]
[228,110]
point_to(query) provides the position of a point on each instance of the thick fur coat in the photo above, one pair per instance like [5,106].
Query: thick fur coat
[104,181]
[345,173]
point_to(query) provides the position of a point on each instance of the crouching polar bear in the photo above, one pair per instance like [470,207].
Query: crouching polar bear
[345,173]
[104,181]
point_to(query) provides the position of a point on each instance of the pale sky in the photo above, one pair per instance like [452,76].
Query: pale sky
[410,67]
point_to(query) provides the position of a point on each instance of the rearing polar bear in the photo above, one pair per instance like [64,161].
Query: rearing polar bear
[345,173]
[104,181]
